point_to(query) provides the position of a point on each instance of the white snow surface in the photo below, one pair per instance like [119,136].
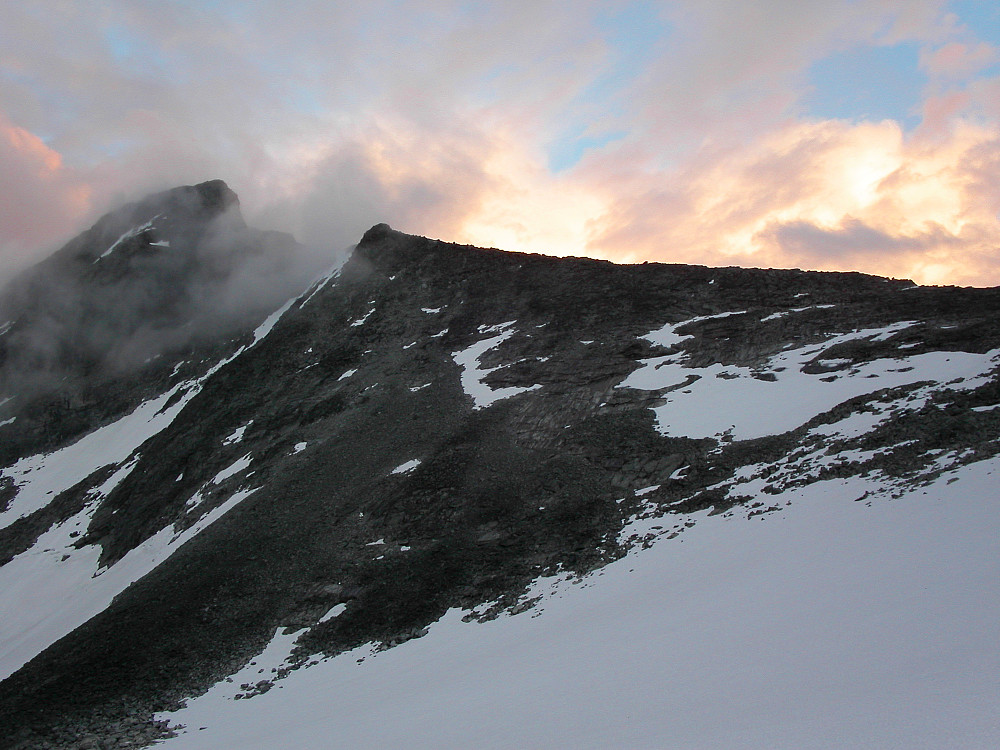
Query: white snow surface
[240,464]
[728,398]
[828,624]
[237,435]
[667,335]
[43,597]
[43,476]
[407,467]
[320,282]
[361,321]
[473,376]
[133,232]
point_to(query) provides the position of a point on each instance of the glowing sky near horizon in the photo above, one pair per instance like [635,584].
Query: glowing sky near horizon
[854,135]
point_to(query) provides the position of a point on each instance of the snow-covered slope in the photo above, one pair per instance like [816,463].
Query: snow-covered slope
[829,624]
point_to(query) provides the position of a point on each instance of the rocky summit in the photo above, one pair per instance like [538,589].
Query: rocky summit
[205,455]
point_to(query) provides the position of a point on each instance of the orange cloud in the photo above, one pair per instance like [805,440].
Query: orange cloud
[41,200]
[824,195]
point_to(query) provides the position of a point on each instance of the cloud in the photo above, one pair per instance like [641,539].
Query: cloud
[959,60]
[44,201]
[440,117]
[829,195]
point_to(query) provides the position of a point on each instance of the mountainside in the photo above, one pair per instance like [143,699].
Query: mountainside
[431,431]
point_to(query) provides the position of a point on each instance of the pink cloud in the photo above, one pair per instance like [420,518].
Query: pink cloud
[42,201]
[958,59]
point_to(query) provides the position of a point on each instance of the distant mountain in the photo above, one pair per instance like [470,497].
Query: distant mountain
[219,463]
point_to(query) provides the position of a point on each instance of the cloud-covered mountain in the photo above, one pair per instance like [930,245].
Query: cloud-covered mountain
[447,478]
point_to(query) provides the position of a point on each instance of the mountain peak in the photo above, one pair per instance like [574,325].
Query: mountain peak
[377,233]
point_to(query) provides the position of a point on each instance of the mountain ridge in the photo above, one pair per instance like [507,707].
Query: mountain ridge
[433,426]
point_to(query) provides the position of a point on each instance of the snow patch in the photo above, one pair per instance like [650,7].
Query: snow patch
[361,321]
[234,468]
[127,235]
[336,611]
[693,395]
[237,435]
[667,336]
[473,376]
[407,467]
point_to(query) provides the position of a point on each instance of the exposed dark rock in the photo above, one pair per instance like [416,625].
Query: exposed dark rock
[360,379]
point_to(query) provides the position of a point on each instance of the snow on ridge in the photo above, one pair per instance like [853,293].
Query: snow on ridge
[692,407]
[51,588]
[6,326]
[473,376]
[320,282]
[41,477]
[128,234]
[261,332]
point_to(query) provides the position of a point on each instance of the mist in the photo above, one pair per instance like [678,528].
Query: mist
[174,271]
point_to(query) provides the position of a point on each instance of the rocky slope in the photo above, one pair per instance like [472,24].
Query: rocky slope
[433,426]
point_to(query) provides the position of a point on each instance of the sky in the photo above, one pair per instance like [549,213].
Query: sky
[852,135]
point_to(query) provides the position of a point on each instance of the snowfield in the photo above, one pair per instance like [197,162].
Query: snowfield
[828,624]
[694,394]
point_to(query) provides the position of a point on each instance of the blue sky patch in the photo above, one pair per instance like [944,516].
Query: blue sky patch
[868,83]
[634,36]
[983,16]
[570,148]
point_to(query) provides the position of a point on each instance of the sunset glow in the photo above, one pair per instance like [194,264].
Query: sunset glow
[849,136]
